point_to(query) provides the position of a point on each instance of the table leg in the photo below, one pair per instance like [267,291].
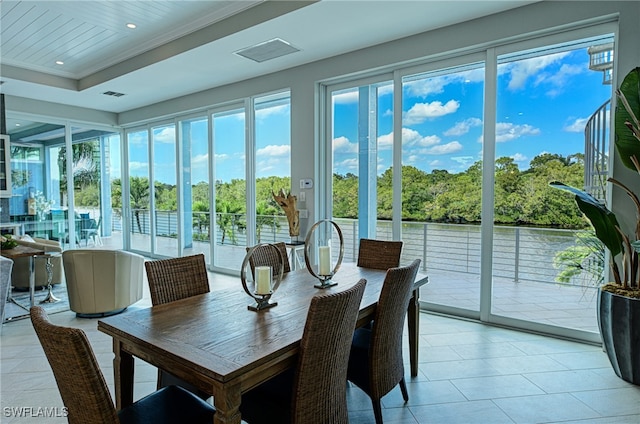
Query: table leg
[32,281]
[413,323]
[226,400]
[122,375]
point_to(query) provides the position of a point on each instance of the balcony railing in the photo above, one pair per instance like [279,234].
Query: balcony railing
[519,253]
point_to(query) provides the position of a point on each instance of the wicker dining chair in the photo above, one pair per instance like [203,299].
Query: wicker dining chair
[379,254]
[266,255]
[177,278]
[375,363]
[315,391]
[174,279]
[84,390]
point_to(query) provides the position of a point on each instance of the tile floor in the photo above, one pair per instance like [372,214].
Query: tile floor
[469,373]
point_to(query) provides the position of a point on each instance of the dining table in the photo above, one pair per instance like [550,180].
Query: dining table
[216,343]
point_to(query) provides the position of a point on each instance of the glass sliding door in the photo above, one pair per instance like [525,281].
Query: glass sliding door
[442,112]
[164,189]
[273,166]
[252,159]
[361,164]
[195,209]
[229,223]
[139,191]
[547,263]
[90,164]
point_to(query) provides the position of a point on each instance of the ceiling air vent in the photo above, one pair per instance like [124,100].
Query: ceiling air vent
[113,93]
[267,50]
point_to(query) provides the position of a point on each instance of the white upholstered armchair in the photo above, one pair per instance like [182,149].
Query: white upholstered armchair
[102,282]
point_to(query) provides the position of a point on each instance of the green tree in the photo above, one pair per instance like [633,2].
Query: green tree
[139,197]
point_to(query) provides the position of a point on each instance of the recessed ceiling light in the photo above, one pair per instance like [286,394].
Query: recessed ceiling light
[59,62]
[131,26]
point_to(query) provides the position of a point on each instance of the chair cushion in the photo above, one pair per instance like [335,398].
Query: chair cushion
[170,404]
[358,371]
[270,402]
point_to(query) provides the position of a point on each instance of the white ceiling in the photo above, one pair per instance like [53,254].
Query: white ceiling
[181,47]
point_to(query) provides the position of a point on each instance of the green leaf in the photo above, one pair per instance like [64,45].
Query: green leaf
[604,221]
[626,144]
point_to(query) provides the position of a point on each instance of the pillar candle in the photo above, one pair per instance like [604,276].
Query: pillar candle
[263,279]
[324,253]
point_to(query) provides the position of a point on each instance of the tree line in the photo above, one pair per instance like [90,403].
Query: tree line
[520,197]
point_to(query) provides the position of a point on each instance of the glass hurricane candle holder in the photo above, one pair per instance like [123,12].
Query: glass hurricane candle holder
[265,283]
[325,271]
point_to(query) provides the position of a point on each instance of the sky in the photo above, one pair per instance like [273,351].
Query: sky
[543,103]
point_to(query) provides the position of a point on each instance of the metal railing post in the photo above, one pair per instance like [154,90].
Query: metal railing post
[517,255]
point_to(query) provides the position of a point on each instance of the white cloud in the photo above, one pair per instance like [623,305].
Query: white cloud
[420,112]
[139,168]
[200,160]
[273,110]
[520,71]
[559,80]
[342,145]
[435,163]
[411,159]
[165,135]
[507,132]
[427,86]
[445,149]
[221,156]
[465,161]
[461,128]
[413,138]
[350,164]
[576,126]
[385,141]
[274,150]
[519,157]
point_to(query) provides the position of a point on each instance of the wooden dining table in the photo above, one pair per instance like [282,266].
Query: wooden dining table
[215,343]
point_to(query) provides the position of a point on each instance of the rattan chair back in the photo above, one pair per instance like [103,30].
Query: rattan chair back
[177,278]
[385,352]
[319,391]
[265,255]
[379,254]
[81,384]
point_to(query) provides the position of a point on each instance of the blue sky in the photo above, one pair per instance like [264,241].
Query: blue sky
[543,105]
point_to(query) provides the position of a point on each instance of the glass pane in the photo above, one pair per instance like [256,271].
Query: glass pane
[32,193]
[273,166]
[195,174]
[164,188]
[546,264]
[139,191]
[442,180]
[230,189]
[362,144]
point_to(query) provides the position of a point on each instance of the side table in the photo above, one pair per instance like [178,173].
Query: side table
[294,258]
[25,251]
[49,267]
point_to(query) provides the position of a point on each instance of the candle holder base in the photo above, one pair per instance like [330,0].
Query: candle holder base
[325,283]
[262,305]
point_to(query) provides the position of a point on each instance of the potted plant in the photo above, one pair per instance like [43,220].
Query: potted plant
[619,300]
